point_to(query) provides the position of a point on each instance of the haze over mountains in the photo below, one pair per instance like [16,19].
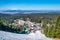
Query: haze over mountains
[27,11]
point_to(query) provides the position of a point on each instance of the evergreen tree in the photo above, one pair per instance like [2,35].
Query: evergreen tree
[57,27]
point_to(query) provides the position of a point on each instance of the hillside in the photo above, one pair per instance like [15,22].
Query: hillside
[31,15]
[4,15]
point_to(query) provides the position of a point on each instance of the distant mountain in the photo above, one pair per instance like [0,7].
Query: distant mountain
[27,11]
[30,10]
[12,10]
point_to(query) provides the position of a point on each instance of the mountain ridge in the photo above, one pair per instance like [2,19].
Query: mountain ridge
[27,11]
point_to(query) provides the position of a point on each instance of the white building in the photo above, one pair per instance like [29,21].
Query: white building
[48,24]
[20,22]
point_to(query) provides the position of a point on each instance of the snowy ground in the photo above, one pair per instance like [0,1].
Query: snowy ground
[14,36]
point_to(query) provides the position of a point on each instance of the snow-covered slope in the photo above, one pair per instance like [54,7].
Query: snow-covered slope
[14,36]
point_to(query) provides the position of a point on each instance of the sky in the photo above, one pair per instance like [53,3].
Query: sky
[29,4]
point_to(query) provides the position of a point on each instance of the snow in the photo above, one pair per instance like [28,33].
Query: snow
[14,36]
